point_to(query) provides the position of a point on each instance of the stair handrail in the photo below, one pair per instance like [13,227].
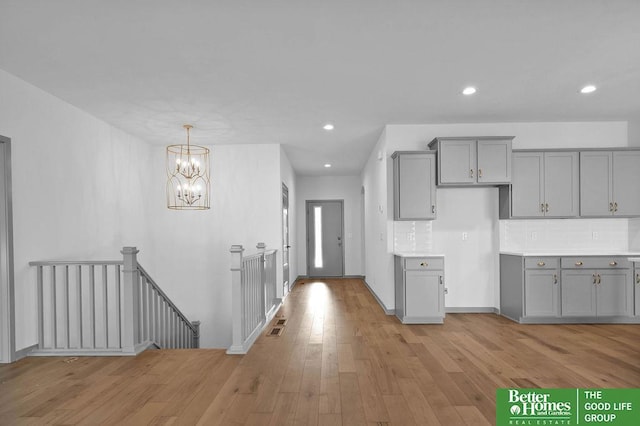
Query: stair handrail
[190,324]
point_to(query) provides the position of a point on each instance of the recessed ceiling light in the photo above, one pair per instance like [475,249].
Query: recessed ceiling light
[590,88]
[327,165]
[328,126]
[469,90]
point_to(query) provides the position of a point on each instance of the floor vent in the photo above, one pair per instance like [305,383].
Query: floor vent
[276,331]
[281,321]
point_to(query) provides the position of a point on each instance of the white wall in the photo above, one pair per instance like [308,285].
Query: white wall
[83,190]
[634,133]
[288,177]
[345,188]
[471,266]
[378,227]
[76,188]
[190,250]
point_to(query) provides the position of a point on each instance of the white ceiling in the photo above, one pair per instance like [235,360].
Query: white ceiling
[272,71]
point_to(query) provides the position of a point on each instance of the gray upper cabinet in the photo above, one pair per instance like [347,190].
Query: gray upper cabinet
[608,183]
[457,162]
[494,161]
[473,160]
[626,177]
[545,184]
[414,178]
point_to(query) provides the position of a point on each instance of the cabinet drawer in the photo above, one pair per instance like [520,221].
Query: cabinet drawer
[541,262]
[598,262]
[423,263]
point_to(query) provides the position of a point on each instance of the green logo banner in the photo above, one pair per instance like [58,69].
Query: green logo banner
[524,407]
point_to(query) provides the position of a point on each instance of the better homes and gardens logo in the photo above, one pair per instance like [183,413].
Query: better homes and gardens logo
[614,407]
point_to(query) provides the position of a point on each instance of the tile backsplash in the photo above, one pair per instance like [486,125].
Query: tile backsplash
[412,236]
[564,234]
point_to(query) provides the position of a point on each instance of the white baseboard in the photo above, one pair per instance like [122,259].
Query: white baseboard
[24,352]
[471,310]
[386,310]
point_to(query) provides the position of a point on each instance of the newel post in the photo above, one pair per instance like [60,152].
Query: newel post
[236,300]
[129,327]
[196,334]
[263,279]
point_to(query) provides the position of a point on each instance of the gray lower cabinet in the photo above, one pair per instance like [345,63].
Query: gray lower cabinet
[608,183]
[636,280]
[419,289]
[473,160]
[568,289]
[541,293]
[414,185]
[529,287]
[589,293]
[578,294]
[597,286]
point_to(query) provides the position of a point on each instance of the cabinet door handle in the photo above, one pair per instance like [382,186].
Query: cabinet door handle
[599,279]
[555,278]
[615,207]
[579,263]
[479,173]
[542,207]
[595,280]
[441,280]
[546,207]
[541,264]
[610,207]
[471,173]
[614,263]
[433,208]
[637,278]
[425,264]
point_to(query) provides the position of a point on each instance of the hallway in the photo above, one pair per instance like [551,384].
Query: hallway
[339,361]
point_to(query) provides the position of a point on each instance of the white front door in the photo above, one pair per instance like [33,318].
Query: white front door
[325,240]
[285,240]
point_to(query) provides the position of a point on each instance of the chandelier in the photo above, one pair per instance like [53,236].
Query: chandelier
[187,176]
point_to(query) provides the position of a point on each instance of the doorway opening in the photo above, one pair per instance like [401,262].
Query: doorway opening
[7,307]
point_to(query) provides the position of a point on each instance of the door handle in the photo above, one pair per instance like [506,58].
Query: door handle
[579,263]
[288,247]
[471,173]
[615,207]
[614,263]
[595,280]
[542,207]
[546,207]
[541,264]
[433,208]
[637,278]
[479,173]
[610,207]
[555,278]
[599,279]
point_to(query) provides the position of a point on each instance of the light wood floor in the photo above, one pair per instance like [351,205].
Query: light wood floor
[340,361]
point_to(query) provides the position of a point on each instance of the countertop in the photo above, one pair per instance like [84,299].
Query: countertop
[561,253]
[417,254]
